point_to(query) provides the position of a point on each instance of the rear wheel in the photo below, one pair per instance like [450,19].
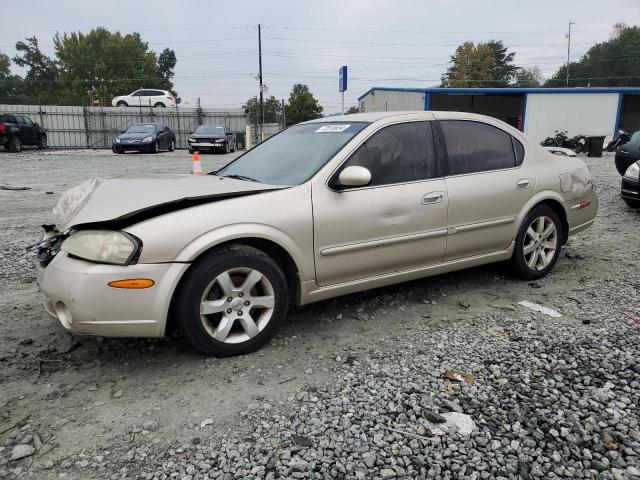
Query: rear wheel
[172,145]
[15,145]
[160,105]
[232,301]
[538,243]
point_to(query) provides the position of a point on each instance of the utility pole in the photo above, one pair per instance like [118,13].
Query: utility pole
[260,80]
[284,116]
[569,50]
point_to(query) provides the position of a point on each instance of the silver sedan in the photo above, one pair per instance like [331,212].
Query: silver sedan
[324,208]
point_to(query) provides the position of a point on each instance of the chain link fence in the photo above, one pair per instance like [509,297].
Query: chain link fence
[97,127]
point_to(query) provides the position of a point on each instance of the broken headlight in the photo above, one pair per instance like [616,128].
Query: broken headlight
[49,247]
[103,246]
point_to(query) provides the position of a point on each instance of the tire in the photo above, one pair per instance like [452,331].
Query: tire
[192,151]
[172,145]
[15,145]
[155,148]
[233,147]
[541,258]
[239,330]
[42,142]
[632,203]
[122,103]
[227,148]
[160,105]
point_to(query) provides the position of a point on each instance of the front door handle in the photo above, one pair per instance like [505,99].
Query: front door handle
[523,184]
[432,197]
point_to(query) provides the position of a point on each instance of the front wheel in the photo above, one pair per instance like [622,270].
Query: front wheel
[122,103]
[232,301]
[156,147]
[42,142]
[15,145]
[632,203]
[538,243]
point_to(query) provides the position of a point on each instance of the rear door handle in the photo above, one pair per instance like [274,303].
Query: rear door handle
[523,184]
[432,197]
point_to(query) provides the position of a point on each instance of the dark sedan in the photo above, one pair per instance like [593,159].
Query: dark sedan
[212,138]
[630,190]
[628,153]
[145,137]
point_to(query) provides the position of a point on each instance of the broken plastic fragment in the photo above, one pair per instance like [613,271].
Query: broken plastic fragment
[459,376]
[459,423]
[539,308]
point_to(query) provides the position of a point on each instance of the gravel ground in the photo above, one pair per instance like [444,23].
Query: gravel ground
[356,387]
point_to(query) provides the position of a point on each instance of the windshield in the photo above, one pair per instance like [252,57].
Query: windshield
[635,139]
[210,129]
[294,155]
[142,128]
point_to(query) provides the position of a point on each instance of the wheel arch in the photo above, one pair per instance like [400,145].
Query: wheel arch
[270,247]
[553,201]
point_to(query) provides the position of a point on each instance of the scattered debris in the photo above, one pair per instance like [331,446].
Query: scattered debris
[535,285]
[205,422]
[540,308]
[459,376]
[586,321]
[17,189]
[464,305]
[503,306]
[302,441]
[455,422]
[287,380]
[117,394]
[22,451]
[631,316]
[502,333]
[401,432]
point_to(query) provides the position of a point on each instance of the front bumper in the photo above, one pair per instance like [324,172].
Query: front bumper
[77,294]
[630,189]
[206,145]
[138,147]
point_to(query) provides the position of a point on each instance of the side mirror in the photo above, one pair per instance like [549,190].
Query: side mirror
[354,176]
[36,124]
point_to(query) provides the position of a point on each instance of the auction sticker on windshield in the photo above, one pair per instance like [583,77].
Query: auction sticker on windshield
[332,128]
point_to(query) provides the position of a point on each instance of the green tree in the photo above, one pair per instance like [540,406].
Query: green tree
[271,106]
[528,77]
[470,66]
[352,110]
[503,71]
[483,65]
[11,86]
[302,105]
[166,64]
[41,81]
[101,64]
[608,64]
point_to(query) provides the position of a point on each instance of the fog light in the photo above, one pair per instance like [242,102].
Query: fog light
[134,283]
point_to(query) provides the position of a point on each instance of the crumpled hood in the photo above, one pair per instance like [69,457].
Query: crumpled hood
[120,198]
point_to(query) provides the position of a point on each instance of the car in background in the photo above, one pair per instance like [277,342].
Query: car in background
[628,153]
[324,208]
[145,97]
[17,131]
[211,138]
[145,137]
[630,188]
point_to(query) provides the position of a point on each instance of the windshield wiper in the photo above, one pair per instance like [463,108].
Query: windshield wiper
[242,177]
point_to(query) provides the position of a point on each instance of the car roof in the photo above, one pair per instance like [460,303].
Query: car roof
[363,117]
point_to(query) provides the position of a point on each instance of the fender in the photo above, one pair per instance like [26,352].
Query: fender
[239,231]
[538,197]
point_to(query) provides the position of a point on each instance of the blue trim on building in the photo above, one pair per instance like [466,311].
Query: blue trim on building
[617,126]
[506,91]
[524,110]
[427,102]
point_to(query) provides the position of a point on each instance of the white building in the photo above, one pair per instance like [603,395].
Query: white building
[594,111]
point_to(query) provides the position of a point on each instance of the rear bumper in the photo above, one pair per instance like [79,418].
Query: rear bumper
[581,212]
[77,294]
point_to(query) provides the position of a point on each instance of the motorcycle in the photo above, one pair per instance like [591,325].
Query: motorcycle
[560,139]
[621,138]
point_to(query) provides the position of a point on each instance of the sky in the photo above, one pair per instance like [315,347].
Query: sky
[400,43]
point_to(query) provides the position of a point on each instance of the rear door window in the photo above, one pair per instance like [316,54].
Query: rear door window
[398,153]
[477,147]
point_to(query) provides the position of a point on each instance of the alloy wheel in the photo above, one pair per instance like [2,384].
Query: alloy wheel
[541,243]
[237,305]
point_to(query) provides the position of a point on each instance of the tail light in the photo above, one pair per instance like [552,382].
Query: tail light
[3,129]
[169,97]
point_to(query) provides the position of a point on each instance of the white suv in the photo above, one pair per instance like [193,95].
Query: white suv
[145,97]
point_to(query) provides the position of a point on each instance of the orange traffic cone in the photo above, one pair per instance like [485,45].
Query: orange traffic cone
[197,166]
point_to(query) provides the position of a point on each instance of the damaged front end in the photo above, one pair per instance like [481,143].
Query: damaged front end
[50,246]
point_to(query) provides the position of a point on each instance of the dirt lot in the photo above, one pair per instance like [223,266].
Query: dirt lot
[350,388]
